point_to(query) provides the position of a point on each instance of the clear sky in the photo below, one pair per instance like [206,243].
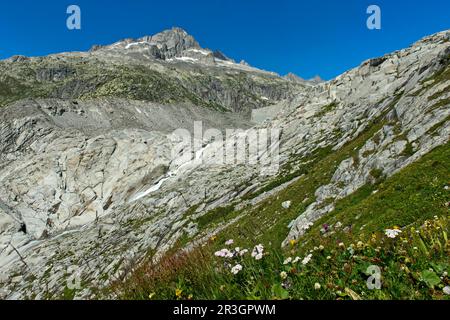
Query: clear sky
[324,37]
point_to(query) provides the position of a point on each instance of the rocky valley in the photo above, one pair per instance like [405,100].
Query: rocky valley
[94,177]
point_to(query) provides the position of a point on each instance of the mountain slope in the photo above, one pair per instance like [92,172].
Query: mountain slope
[410,199]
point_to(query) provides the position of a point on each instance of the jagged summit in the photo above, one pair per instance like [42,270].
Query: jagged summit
[163,45]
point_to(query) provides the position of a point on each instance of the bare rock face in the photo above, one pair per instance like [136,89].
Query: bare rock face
[416,121]
[95,184]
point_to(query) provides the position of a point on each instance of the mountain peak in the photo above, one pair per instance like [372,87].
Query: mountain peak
[173,38]
[163,45]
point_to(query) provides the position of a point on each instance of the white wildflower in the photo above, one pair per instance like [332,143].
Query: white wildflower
[317,286]
[307,225]
[236,269]
[224,253]
[287,261]
[446,290]
[306,260]
[297,259]
[229,242]
[258,252]
[283,275]
[242,252]
[392,233]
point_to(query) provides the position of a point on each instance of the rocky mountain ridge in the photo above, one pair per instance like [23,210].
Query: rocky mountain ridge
[171,63]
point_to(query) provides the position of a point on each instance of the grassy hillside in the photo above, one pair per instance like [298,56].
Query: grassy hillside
[346,246]
[88,77]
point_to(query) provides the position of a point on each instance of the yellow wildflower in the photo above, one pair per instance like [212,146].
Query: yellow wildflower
[178,293]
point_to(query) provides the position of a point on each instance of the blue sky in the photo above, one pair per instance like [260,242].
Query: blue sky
[325,37]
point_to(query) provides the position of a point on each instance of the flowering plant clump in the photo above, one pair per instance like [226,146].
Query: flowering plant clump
[229,242]
[235,254]
[338,267]
[224,253]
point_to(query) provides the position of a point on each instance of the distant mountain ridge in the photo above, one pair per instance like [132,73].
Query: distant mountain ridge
[169,67]
[295,78]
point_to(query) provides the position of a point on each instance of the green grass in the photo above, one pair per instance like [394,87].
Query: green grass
[409,150]
[217,215]
[439,93]
[438,125]
[325,109]
[439,104]
[376,173]
[286,174]
[440,76]
[412,265]
[417,192]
